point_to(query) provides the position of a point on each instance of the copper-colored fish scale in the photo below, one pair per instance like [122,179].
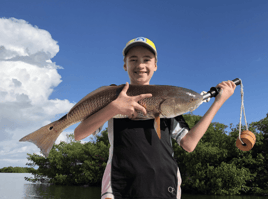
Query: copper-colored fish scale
[91,106]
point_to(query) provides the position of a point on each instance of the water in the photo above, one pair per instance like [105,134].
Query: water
[13,186]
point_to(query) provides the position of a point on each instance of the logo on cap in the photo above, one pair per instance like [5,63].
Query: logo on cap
[141,39]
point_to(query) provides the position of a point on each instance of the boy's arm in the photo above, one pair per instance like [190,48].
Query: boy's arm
[191,139]
[124,104]
[92,123]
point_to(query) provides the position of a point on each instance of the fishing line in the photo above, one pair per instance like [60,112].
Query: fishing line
[242,109]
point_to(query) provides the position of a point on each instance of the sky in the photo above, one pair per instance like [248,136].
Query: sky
[53,53]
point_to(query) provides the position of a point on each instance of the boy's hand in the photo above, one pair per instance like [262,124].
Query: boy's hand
[127,105]
[227,90]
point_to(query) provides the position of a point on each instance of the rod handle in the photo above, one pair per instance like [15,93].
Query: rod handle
[213,92]
[237,81]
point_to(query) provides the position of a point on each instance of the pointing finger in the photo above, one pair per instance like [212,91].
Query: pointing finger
[142,96]
[140,108]
[125,88]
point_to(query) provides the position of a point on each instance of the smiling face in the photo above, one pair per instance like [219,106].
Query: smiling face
[140,64]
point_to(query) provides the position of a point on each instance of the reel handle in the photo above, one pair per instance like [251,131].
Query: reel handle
[213,92]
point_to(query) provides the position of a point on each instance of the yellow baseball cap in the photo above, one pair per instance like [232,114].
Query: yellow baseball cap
[140,41]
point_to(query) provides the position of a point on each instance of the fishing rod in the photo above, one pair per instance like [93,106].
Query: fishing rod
[246,139]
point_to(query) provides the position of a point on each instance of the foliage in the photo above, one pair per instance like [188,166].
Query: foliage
[16,170]
[261,152]
[216,166]
[73,163]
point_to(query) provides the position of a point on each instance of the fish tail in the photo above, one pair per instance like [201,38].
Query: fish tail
[45,137]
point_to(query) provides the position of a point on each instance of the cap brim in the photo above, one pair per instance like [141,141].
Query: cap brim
[125,51]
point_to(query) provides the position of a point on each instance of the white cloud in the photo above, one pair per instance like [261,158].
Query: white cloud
[27,78]
[23,39]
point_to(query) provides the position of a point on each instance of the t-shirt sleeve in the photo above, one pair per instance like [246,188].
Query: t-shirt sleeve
[179,128]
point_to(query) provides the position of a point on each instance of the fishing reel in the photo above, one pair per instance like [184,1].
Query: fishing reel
[246,139]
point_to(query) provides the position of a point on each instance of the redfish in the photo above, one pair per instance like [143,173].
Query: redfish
[166,102]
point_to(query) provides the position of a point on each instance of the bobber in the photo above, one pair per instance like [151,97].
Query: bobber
[249,140]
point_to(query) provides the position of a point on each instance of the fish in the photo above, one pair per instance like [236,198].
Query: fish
[166,102]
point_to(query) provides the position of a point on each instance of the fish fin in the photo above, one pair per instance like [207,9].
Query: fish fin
[97,131]
[44,138]
[88,96]
[113,85]
[157,125]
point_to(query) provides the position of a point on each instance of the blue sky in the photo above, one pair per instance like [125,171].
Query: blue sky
[199,44]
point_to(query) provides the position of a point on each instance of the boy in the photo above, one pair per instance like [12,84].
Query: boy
[140,165]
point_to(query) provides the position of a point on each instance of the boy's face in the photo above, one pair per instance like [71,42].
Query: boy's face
[140,64]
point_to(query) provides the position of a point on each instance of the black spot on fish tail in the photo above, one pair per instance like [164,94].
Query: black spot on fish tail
[43,138]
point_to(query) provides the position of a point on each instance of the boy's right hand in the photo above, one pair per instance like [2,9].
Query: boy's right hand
[128,105]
